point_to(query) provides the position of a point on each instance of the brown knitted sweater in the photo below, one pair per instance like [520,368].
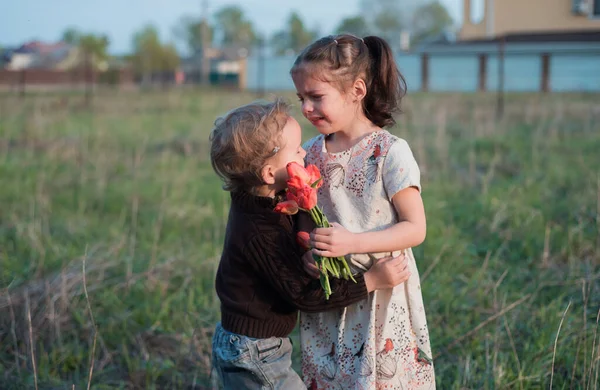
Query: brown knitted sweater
[260,280]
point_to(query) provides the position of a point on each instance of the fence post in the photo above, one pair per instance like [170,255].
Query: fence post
[88,79]
[482,72]
[500,96]
[424,72]
[545,81]
[22,82]
[260,68]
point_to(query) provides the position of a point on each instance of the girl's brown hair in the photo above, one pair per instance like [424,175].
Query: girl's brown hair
[345,58]
[244,139]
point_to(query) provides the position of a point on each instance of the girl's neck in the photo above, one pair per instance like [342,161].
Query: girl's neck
[346,138]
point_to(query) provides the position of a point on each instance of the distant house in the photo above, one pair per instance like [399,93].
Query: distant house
[40,55]
[511,17]
[192,66]
[39,63]
[224,65]
[17,60]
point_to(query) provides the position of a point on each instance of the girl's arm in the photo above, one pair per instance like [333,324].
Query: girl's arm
[401,180]
[409,232]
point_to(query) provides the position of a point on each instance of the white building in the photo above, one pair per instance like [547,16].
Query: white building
[19,61]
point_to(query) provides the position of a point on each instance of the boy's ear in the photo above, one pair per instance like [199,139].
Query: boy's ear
[359,89]
[268,174]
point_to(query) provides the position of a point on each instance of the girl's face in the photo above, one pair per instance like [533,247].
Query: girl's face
[328,109]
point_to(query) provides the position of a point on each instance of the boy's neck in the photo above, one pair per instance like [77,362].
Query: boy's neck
[265,191]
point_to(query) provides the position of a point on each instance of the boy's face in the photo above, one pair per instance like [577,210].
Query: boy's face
[290,150]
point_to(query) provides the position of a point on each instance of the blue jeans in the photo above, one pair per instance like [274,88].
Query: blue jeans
[243,362]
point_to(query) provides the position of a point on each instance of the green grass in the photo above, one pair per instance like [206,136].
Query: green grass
[126,190]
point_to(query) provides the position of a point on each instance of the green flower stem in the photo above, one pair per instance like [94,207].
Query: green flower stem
[324,221]
[344,273]
[316,216]
[324,278]
[336,266]
[342,259]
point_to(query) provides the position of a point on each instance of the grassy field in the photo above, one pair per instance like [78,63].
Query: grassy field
[111,224]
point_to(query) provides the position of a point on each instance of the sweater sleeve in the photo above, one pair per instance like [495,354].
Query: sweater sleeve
[280,264]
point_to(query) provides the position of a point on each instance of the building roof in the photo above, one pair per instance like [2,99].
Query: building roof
[582,42]
[548,36]
[41,47]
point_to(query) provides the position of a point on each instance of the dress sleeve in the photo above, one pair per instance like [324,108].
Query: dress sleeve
[400,169]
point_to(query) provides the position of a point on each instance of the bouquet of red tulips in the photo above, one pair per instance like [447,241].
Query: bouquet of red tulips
[301,194]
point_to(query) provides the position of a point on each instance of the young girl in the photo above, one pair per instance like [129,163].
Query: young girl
[349,89]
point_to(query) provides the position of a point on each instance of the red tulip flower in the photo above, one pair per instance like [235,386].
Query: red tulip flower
[300,176]
[315,176]
[298,172]
[302,195]
[305,197]
[288,207]
[303,239]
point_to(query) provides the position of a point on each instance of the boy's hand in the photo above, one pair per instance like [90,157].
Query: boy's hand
[387,272]
[333,241]
[310,266]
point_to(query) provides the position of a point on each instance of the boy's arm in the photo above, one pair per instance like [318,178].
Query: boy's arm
[304,223]
[287,277]
[281,267]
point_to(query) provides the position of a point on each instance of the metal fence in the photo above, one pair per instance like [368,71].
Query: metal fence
[512,67]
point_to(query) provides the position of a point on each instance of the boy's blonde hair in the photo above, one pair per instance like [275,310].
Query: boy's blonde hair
[243,140]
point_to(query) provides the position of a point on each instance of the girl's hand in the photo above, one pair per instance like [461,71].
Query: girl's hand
[333,241]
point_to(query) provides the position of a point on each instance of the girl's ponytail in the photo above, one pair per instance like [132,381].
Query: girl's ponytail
[386,86]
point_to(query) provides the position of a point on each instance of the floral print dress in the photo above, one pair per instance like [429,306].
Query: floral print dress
[381,342]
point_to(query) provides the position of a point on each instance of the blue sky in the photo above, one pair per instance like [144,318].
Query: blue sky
[23,20]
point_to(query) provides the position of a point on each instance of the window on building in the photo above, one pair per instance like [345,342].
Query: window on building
[477,11]
[596,8]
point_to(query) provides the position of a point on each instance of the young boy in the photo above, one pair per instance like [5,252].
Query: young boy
[261,281]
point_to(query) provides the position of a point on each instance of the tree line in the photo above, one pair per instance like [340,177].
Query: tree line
[229,27]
